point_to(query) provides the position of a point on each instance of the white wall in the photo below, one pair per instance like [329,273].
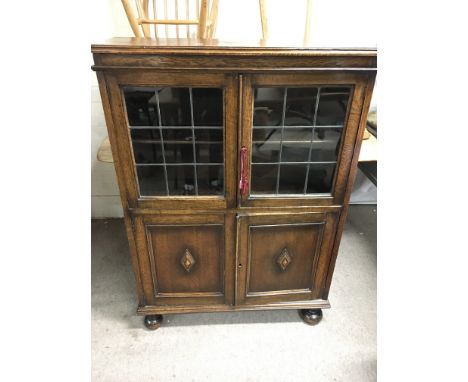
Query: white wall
[334,23]
[108,20]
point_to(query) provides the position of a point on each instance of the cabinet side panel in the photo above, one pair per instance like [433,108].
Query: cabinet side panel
[121,183]
[349,186]
[349,140]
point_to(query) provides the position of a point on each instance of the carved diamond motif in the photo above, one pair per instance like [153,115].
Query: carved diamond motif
[284,259]
[187,260]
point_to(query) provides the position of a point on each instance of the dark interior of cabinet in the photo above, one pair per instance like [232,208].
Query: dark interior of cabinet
[296,136]
[177,139]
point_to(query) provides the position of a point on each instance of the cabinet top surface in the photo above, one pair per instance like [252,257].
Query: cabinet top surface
[133,45]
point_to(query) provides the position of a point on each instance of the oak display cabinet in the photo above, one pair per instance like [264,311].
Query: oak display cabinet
[235,166]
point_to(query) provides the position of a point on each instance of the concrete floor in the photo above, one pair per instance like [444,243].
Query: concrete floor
[242,346]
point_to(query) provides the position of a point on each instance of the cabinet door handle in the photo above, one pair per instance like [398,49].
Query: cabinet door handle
[284,259]
[244,176]
[187,260]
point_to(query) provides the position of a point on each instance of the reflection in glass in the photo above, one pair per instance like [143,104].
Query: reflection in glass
[300,107]
[295,152]
[175,133]
[209,152]
[210,180]
[151,180]
[296,137]
[140,111]
[320,178]
[174,106]
[263,178]
[268,107]
[207,106]
[326,145]
[291,179]
[265,152]
[181,180]
[147,153]
[332,107]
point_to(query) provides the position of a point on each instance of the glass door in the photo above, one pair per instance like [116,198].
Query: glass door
[176,132]
[177,137]
[295,130]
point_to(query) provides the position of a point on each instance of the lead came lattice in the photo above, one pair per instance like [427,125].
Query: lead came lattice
[177,138]
[296,135]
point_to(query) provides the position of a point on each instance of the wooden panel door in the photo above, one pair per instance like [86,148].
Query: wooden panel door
[298,137]
[176,137]
[184,259]
[283,257]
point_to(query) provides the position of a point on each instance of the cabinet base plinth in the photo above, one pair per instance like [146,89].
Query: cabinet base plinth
[153,321]
[145,310]
[311,316]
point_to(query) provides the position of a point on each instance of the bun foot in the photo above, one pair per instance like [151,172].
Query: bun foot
[311,316]
[153,321]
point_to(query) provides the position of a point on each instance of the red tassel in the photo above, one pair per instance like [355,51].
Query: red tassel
[244,176]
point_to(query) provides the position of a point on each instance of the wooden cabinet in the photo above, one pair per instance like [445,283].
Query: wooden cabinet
[235,166]
[280,255]
[185,259]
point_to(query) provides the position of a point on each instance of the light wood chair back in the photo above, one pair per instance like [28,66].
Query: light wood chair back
[264,21]
[200,14]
